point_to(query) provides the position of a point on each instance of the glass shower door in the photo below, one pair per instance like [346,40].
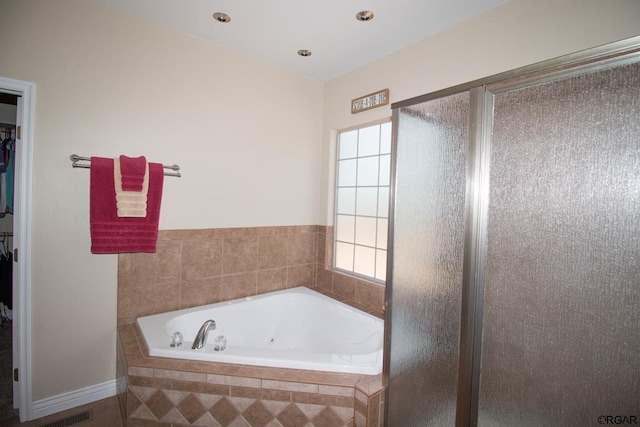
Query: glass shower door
[560,338]
[429,229]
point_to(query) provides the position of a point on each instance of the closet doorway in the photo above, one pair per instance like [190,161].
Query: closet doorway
[8,116]
[19,243]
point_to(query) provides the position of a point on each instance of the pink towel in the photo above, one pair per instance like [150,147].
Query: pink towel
[132,170]
[111,234]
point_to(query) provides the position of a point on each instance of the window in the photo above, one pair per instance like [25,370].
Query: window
[362,200]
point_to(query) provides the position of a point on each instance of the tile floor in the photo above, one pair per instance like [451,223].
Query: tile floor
[105,414]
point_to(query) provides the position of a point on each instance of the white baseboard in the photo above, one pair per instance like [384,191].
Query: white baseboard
[72,399]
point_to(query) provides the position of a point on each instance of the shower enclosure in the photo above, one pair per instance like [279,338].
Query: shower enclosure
[514,294]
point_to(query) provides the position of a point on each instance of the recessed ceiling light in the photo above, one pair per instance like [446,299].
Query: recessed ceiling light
[222,17]
[304,52]
[364,16]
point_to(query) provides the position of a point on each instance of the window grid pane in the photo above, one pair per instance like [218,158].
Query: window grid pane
[367,201]
[381,265]
[366,231]
[345,228]
[362,200]
[364,261]
[385,138]
[347,173]
[344,256]
[348,145]
[346,201]
[367,171]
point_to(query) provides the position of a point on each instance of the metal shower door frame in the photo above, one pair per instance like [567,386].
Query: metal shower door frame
[477,200]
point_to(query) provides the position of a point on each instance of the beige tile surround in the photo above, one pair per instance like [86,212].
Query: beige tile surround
[196,267]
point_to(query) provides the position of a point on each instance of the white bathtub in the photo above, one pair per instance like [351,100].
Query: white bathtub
[294,328]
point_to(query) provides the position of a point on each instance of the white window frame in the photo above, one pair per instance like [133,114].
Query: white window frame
[368,258]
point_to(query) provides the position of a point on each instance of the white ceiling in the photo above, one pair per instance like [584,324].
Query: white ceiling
[273,31]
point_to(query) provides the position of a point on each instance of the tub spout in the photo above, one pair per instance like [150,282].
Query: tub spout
[201,336]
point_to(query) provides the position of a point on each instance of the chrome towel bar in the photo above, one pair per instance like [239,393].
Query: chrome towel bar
[76,163]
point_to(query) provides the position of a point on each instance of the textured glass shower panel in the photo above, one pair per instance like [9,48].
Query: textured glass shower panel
[427,261]
[561,330]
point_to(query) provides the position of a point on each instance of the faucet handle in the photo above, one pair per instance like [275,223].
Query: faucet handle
[220,344]
[176,339]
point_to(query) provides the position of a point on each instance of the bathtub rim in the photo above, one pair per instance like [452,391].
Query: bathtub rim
[278,364]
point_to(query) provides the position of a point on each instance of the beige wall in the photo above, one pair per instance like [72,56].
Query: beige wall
[518,33]
[246,135]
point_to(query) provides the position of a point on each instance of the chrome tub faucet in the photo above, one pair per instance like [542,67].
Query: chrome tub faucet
[201,336]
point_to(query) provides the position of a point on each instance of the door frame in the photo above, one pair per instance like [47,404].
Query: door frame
[23,183]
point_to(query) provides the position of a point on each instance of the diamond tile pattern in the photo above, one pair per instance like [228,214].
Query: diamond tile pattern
[293,416]
[224,412]
[210,410]
[133,402]
[207,420]
[326,418]
[174,416]
[159,404]
[199,408]
[257,415]
[191,408]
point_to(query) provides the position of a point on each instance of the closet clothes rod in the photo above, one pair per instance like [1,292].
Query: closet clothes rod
[75,163]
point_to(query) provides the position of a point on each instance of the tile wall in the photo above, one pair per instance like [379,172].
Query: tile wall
[197,267]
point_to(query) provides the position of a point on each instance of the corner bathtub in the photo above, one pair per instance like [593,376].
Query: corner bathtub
[294,328]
